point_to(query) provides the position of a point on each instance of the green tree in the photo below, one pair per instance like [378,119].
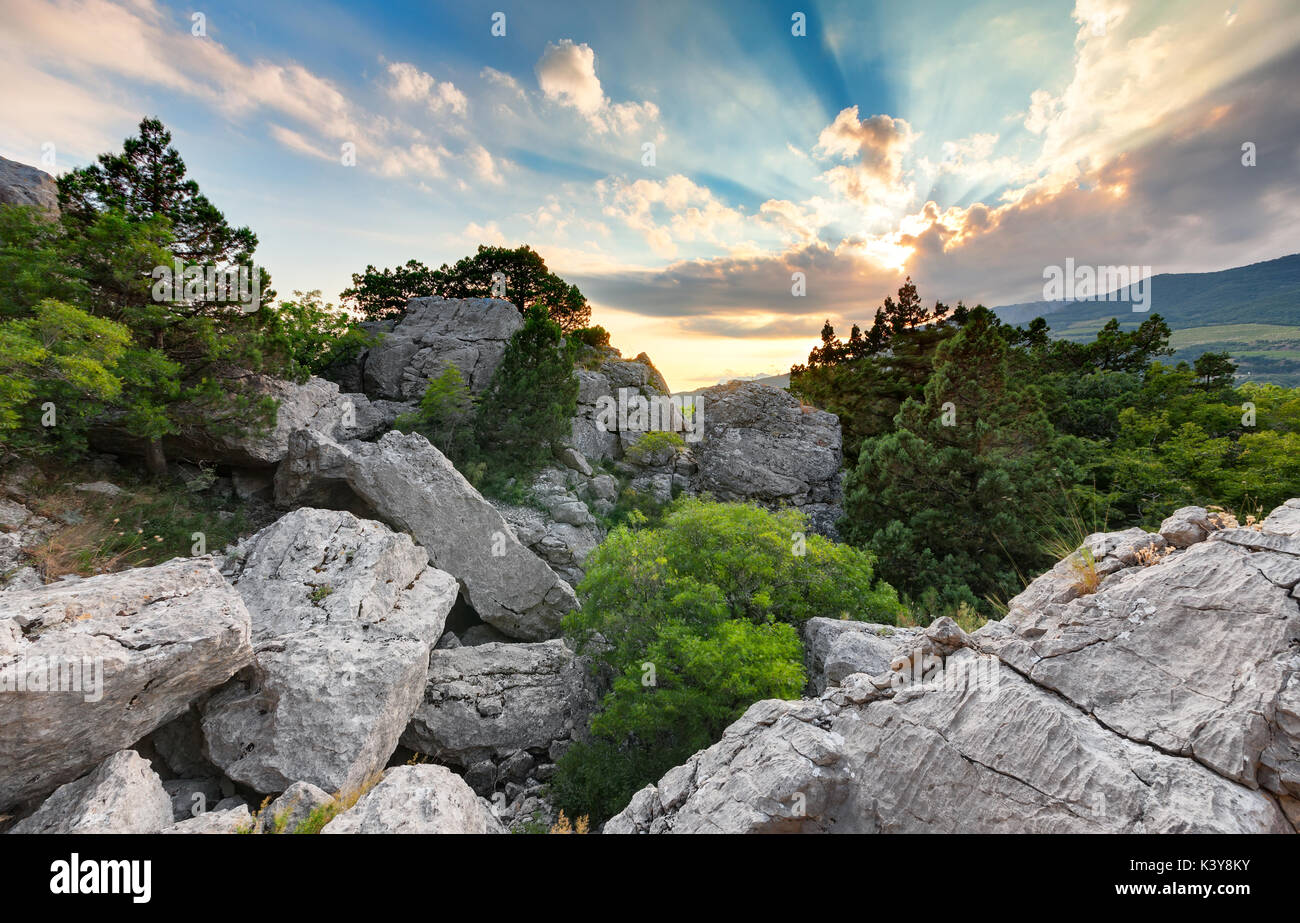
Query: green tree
[530,400]
[445,415]
[376,293]
[712,599]
[957,496]
[191,362]
[381,293]
[63,357]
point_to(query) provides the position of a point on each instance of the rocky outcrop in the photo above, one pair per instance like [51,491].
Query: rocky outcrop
[837,648]
[417,799]
[293,808]
[24,185]
[344,614]
[410,484]
[230,820]
[129,651]
[469,333]
[485,704]
[315,405]
[760,444]
[1167,699]
[122,795]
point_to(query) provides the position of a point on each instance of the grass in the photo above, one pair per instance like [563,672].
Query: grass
[147,523]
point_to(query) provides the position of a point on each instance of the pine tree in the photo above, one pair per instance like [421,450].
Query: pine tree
[188,368]
[948,497]
[530,400]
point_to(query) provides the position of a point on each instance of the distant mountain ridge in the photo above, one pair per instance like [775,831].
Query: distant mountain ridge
[1252,312]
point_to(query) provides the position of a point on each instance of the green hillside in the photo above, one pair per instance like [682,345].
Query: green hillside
[1252,312]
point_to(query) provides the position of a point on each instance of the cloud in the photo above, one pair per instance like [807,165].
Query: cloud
[408,83]
[566,75]
[296,142]
[875,146]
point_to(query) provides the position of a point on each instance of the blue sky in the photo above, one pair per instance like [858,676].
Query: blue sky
[968,144]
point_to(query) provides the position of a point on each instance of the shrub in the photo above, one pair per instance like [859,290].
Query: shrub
[696,619]
[445,415]
[655,447]
[530,400]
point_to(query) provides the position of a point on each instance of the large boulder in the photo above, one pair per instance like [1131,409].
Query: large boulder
[24,185]
[344,614]
[489,701]
[412,486]
[759,443]
[122,795]
[469,333]
[1162,697]
[837,648]
[417,799]
[130,651]
[316,405]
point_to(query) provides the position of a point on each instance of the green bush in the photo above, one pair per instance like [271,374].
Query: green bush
[696,619]
[529,402]
[657,445]
[445,415]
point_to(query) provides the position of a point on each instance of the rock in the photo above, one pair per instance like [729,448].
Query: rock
[183,792]
[316,405]
[411,485]
[837,648]
[1187,526]
[288,812]
[143,644]
[123,795]
[482,634]
[24,185]
[251,484]
[469,333]
[1168,700]
[417,799]
[103,488]
[179,744]
[230,820]
[603,487]
[491,701]
[312,473]
[573,459]
[344,614]
[1285,520]
[759,443]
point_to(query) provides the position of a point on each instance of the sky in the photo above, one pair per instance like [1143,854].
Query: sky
[967,144]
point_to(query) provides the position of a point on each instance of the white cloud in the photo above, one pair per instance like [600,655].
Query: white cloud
[566,75]
[408,83]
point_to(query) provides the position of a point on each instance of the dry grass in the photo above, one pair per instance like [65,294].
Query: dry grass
[563,826]
[1084,566]
[147,523]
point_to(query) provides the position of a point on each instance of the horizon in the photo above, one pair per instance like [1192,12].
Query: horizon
[854,153]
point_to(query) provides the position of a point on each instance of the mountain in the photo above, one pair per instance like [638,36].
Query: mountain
[1252,312]
[772,381]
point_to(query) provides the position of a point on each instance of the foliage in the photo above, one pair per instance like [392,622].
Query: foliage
[962,515]
[696,619]
[187,367]
[530,400]
[445,415]
[654,443]
[376,293]
[308,335]
[381,293]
